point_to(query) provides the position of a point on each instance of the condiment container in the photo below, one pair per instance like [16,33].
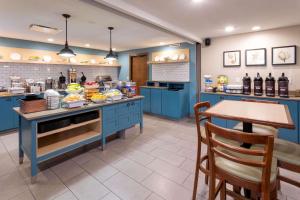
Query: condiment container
[258,85]
[270,86]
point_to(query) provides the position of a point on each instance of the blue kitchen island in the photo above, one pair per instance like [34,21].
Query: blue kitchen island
[39,140]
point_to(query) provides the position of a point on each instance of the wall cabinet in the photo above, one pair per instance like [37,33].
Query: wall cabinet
[293,105]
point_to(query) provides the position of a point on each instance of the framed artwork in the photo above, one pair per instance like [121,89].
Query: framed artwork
[232,58]
[286,55]
[256,57]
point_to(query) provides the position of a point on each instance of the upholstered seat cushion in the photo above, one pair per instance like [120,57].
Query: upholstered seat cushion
[286,151]
[245,172]
[260,129]
[224,140]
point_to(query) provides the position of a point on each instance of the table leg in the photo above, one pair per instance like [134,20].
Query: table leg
[21,152]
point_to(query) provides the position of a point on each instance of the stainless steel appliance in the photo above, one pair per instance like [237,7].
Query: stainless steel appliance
[49,83]
[103,82]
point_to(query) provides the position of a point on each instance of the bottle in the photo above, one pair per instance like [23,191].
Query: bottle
[258,85]
[283,86]
[247,84]
[270,86]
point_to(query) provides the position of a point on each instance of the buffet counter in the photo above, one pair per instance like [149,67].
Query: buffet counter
[47,134]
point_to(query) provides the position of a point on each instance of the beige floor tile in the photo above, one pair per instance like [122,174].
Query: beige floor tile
[66,196]
[132,169]
[126,188]
[150,145]
[168,156]
[86,187]
[11,185]
[188,153]
[67,170]
[166,188]
[99,169]
[189,166]
[7,165]
[172,147]
[169,171]
[26,195]
[140,157]
[47,186]
[154,196]
[107,155]
[111,196]
[83,158]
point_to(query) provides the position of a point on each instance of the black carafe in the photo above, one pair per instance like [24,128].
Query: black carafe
[283,86]
[258,85]
[247,84]
[270,86]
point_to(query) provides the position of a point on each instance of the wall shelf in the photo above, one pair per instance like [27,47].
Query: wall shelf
[168,62]
[59,63]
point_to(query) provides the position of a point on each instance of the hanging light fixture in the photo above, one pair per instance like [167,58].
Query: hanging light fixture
[66,51]
[111,55]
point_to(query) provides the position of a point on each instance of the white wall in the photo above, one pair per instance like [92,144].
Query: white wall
[212,56]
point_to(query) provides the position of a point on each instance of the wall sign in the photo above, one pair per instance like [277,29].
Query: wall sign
[232,58]
[285,55]
[256,57]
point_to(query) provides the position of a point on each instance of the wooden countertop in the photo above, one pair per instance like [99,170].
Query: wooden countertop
[291,97]
[61,111]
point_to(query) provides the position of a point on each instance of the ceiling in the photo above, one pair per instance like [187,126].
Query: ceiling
[186,19]
[208,18]
[88,24]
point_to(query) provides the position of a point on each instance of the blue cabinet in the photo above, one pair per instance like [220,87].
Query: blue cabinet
[15,116]
[173,104]
[121,116]
[6,114]
[156,100]
[146,92]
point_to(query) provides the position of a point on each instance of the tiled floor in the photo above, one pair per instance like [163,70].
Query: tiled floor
[156,165]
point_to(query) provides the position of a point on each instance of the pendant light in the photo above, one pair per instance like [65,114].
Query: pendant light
[111,55]
[66,51]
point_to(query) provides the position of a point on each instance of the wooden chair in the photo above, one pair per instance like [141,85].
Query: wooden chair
[248,168]
[199,108]
[258,128]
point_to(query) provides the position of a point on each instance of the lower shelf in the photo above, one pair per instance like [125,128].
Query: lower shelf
[67,138]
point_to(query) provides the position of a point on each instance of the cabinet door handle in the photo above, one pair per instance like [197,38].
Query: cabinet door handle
[132,103]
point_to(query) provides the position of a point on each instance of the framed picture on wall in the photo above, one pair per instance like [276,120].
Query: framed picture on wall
[232,58]
[256,57]
[285,55]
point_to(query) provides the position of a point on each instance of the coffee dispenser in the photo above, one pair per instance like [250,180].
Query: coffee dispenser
[247,84]
[270,86]
[283,86]
[258,85]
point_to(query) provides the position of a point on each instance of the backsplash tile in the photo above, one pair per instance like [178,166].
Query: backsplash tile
[42,71]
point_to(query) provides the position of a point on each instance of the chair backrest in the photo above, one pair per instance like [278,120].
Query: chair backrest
[261,158]
[259,101]
[199,117]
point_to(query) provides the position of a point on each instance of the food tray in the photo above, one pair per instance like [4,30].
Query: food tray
[85,117]
[74,104]
[116,97]
[53,125]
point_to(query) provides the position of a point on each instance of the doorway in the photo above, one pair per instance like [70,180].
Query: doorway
[139,70]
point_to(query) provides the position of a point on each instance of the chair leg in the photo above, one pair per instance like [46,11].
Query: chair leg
[223,191]
[207,167]
[212,186]
[197,172]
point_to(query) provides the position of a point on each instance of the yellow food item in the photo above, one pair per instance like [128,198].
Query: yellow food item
[98,97]
[72,98]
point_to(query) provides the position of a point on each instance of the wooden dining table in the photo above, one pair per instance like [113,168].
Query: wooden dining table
[275,115]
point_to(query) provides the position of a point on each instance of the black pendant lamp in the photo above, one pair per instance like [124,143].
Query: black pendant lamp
[111,55]
[66,51]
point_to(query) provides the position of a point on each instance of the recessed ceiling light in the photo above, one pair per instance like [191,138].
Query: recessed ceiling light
[114,49]
[50,40]
[229,29]
[162,43]
[87,45]
[197,1]
[256,28]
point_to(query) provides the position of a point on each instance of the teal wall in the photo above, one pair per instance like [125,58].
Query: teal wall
[124,61]
[18,43]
